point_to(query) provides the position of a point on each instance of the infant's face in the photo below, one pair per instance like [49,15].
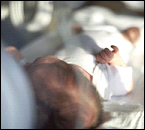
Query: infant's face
[52,59]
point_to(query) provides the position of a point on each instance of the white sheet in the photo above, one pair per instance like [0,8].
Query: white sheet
[123,116]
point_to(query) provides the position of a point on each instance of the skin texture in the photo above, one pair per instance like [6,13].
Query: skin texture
[110,57]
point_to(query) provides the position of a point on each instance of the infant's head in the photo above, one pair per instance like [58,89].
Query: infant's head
[65,98]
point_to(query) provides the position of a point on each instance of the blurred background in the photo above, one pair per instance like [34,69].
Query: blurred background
[24,21]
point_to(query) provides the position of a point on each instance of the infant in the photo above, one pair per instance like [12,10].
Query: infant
[65,94]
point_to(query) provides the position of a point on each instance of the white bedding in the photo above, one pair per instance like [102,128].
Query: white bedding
[123,116]
[126,112]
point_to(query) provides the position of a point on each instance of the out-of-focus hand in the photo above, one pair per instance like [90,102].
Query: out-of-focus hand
[110,57]
[105,56]
[14,52]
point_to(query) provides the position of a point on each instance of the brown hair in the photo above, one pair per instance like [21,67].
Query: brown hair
[65,98]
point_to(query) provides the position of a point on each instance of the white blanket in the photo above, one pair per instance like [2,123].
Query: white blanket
[121,115]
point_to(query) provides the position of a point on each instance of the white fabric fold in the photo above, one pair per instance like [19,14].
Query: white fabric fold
[112,80]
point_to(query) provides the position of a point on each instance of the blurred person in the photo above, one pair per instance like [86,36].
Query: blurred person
[17,97]
[57,85]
